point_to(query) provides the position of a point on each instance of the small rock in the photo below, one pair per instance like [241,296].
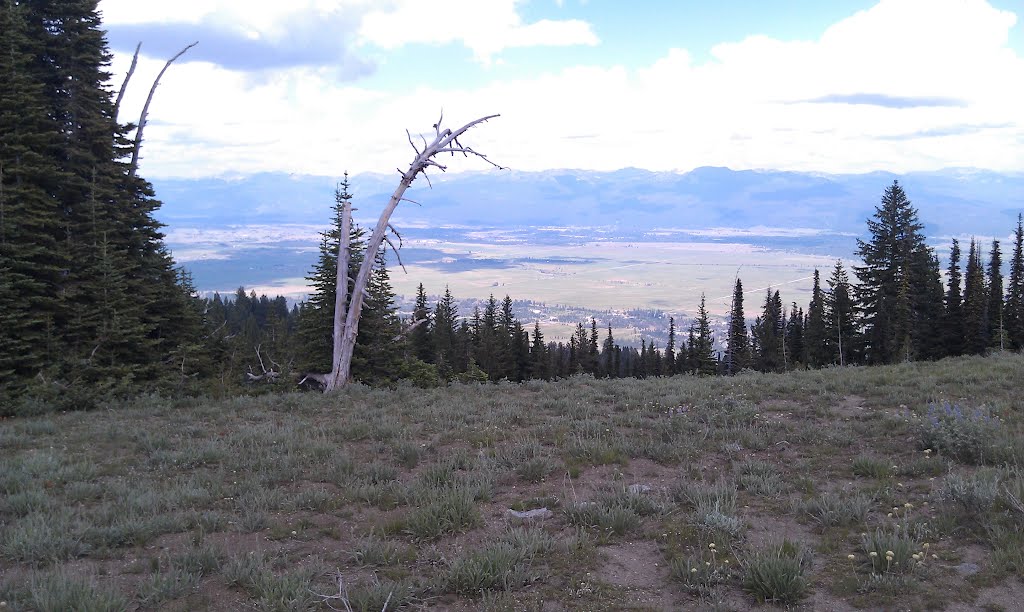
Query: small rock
[538,513]
[968,569]
[636,489]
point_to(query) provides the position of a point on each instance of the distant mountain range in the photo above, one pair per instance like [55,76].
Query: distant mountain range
[950,202]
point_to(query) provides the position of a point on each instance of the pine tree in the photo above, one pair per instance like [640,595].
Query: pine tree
[608,355]
[446,316]
[681,356]
[691,363]
[640,371]
[928,308]
[669,367]
[996,322]
[581,342]
[420,342]
[795,337]
[898,271]
[840,318]
[1014,308]
[703,352]
[975,318]
[900,330]
[506,323]
[769,335]
[816,334]
[378,352]
[31,262]
[593,350]
[539,357]
[463,360]
[488,352]
[953,320]
[737,352]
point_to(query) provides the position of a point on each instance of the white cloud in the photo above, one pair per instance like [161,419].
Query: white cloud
[257,15]
[935,82]
[484,26]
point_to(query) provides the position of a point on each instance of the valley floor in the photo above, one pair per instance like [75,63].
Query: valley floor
[855,488]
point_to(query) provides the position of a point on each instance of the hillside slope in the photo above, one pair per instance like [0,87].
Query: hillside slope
[678,493]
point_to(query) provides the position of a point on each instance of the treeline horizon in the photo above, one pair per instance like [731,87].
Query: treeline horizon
[899,310]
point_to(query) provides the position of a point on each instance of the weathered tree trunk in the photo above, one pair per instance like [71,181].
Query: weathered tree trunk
[127,78]
[337,378]
[345,333]
[134,166]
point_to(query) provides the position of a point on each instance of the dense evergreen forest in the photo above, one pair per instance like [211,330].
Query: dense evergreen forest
[92,304]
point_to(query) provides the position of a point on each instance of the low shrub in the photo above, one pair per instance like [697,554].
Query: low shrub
[776,573]
[970,435]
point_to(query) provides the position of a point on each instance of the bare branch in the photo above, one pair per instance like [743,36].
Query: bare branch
[437,126]
[408,330]
[392,229]
[467,152]
[258,356]
[93,353]
[134,166]
[411,143]
[319,378]
[399,257]
[128,77]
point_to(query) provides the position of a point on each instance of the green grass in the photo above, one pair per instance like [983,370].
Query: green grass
[171,503]
[776,572]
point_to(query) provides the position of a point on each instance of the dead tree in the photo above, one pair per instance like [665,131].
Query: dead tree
[269,376]
[137,146]
[347,307]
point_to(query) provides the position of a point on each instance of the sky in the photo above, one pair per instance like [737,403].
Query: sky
[328,86]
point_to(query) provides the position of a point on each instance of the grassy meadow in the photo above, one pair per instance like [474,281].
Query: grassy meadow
[858,488]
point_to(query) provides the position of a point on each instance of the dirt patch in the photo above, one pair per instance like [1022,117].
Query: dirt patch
[659,478]
[1005,596]
[640,570]
[824,602]
[851,407]
[765,528]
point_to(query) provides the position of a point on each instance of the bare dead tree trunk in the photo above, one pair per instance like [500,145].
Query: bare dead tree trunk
[127,77]
[341,295]
[145,111]
[445,141]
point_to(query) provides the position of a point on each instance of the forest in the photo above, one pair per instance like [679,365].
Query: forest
[94,306]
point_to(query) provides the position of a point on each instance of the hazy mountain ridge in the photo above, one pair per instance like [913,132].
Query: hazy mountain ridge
[950,202]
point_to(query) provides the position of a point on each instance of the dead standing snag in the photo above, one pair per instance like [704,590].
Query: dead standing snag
[347,308]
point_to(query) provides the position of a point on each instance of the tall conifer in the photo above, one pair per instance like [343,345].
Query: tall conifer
[840,321]
[703,351]
[815,336]
[975,318]
[897,279]
[996,316]
[1014,308]
[420,342]
[953,323]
